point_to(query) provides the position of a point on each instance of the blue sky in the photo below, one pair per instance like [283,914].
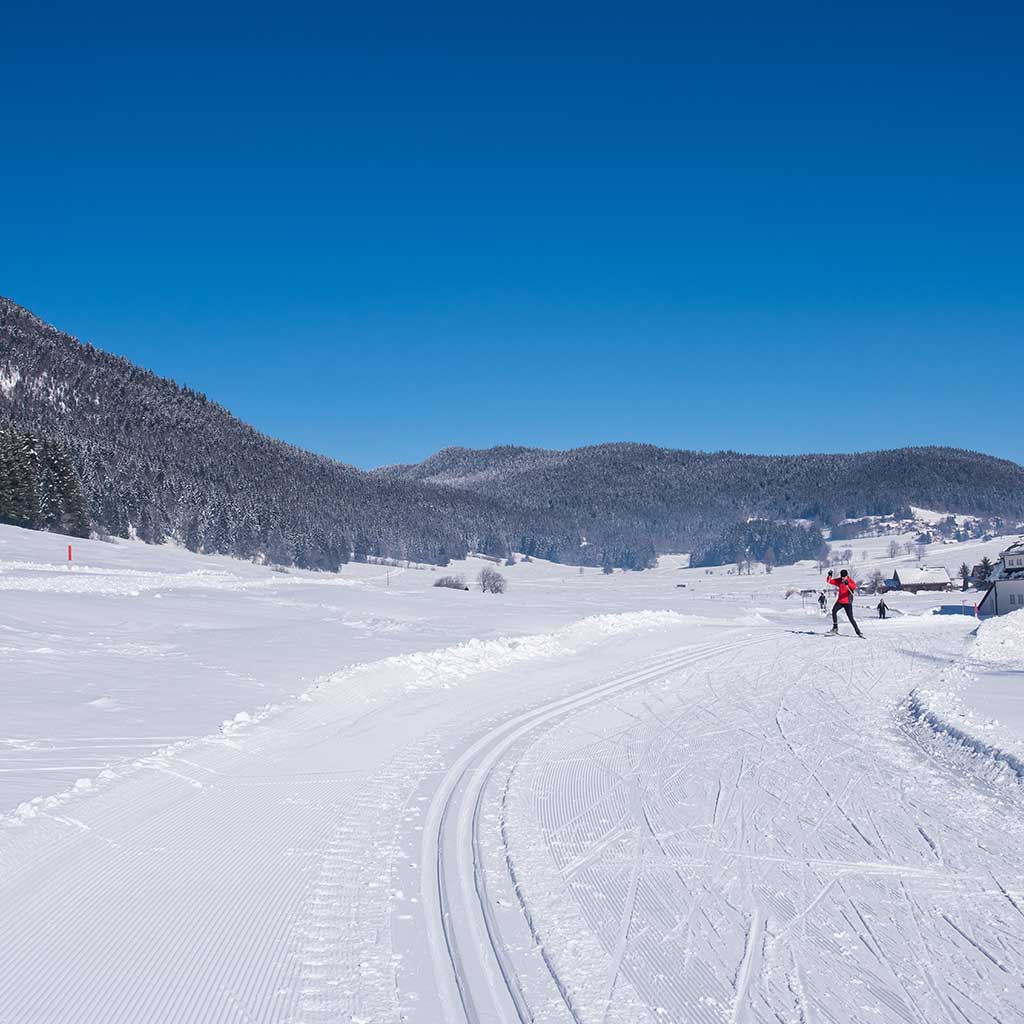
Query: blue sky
[772,229]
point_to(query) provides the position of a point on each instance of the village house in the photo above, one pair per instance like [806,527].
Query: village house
[928,577]
[1006,587]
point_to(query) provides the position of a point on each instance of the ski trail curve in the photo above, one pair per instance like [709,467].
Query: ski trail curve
[474,973]
[807,861]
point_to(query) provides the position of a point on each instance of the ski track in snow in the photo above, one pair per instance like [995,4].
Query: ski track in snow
[794,856]
[248,876]
[472,966]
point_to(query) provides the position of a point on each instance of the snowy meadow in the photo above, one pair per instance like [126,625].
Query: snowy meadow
[640,796]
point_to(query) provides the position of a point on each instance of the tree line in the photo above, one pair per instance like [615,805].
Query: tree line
[762,540]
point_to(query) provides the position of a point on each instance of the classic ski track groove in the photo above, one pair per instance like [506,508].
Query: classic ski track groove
[476,979]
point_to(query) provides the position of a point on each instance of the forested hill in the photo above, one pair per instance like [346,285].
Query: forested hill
[686,500]
[150,458]
[162,461]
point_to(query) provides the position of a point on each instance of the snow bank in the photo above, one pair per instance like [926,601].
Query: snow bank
[443,668]
[449,666]
[1000,641]
[159,758]
[968,718]
[29,809]
[946,728]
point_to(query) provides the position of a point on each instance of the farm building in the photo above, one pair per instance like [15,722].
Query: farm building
[929,577]
[1006,588]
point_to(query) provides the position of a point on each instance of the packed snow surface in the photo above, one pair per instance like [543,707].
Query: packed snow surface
[236,795]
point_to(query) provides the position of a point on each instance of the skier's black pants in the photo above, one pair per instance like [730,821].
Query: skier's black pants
[848,608]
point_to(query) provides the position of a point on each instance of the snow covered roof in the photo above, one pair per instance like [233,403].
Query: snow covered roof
[1016,548]
[923,576]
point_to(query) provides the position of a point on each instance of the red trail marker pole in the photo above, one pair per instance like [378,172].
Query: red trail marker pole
[69,556]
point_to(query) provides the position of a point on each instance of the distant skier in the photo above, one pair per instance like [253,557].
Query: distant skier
[846,585]
[822,601]
[882,608]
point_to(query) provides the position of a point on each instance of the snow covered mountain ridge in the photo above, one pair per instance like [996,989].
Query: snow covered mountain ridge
[160,461]
[691,501]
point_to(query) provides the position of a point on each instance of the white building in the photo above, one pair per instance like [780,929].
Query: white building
[1006,588]
[1013,557]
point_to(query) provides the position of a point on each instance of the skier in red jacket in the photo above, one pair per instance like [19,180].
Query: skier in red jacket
[846,585]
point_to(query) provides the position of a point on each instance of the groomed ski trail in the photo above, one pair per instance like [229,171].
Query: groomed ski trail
[738,829]
[475,976]
[800,859]
[253,876]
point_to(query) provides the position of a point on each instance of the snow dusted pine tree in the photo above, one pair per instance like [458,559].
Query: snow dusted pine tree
[39,488]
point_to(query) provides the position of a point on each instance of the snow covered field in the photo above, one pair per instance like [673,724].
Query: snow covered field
[231,794]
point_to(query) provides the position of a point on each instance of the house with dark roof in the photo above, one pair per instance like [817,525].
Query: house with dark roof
[1006,586]
[929,577]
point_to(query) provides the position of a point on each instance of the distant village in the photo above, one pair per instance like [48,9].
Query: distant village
[1002,581]
[999,583]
